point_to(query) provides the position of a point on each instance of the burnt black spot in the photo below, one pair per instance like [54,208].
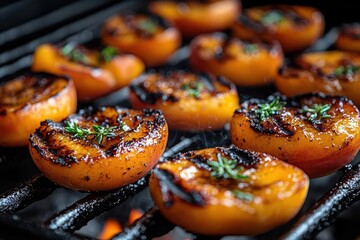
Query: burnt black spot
[151,96]
[251,24]
[2,112]
[242,157]
[86,178]
[273,124]
[225,82]
[112,150]
[170,187]
[351,30]
[200,162]
[279,122]
[64,161]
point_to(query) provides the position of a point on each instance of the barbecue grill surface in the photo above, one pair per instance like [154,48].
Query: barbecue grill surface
[31,207]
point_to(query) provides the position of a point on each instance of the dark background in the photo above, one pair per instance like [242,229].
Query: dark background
[13,12]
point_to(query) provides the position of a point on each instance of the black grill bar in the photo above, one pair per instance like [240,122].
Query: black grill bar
[13,227]
[90,22]
[340,197]
[20,197]
[181,146]
[81,212]
[151,224]
[49,20]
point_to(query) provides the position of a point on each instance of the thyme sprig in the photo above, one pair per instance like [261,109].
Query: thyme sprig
[347,70]
[267,109]
[272,17]
[107,54]
[71,52]
[242,195]
[226,168]
[316,111]
[74,129]
[99,132]
[249,48]
[193,90]
[147,25]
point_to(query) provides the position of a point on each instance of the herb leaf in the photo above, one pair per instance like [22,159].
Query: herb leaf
[242,195]
[249,48]
[316,111]
[193,89]
[125,127]
[272,17]
[98,131]
[108,53]
[72,53]
[346,70]
[73,128]
[225,168]
[267,109]
[147,26]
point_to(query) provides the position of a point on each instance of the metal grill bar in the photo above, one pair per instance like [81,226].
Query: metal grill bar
[49,20]
[342,196]
[81,212]
[151,224]
[13,227]
[345,193]
[65,31]
[20,197]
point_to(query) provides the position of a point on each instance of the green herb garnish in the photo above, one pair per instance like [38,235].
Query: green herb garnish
[193,89]
[74,129]
[242,195]
[316,111]
[72,53]
[125,127]
[346,70]
[250,48]
[108,53]
[99,132]
[267,109]
[147,26]
[272,17]
[226,168]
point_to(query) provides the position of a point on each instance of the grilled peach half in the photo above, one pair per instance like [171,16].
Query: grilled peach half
[147,36]
[331,72]
[189,101]
[314,132]
[95,73]
[348,38]
[295,27]
[222,191]
[27,100]
[196,17]
[99,149]
[234,59]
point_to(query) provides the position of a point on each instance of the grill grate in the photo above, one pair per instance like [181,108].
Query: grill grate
[83,27]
